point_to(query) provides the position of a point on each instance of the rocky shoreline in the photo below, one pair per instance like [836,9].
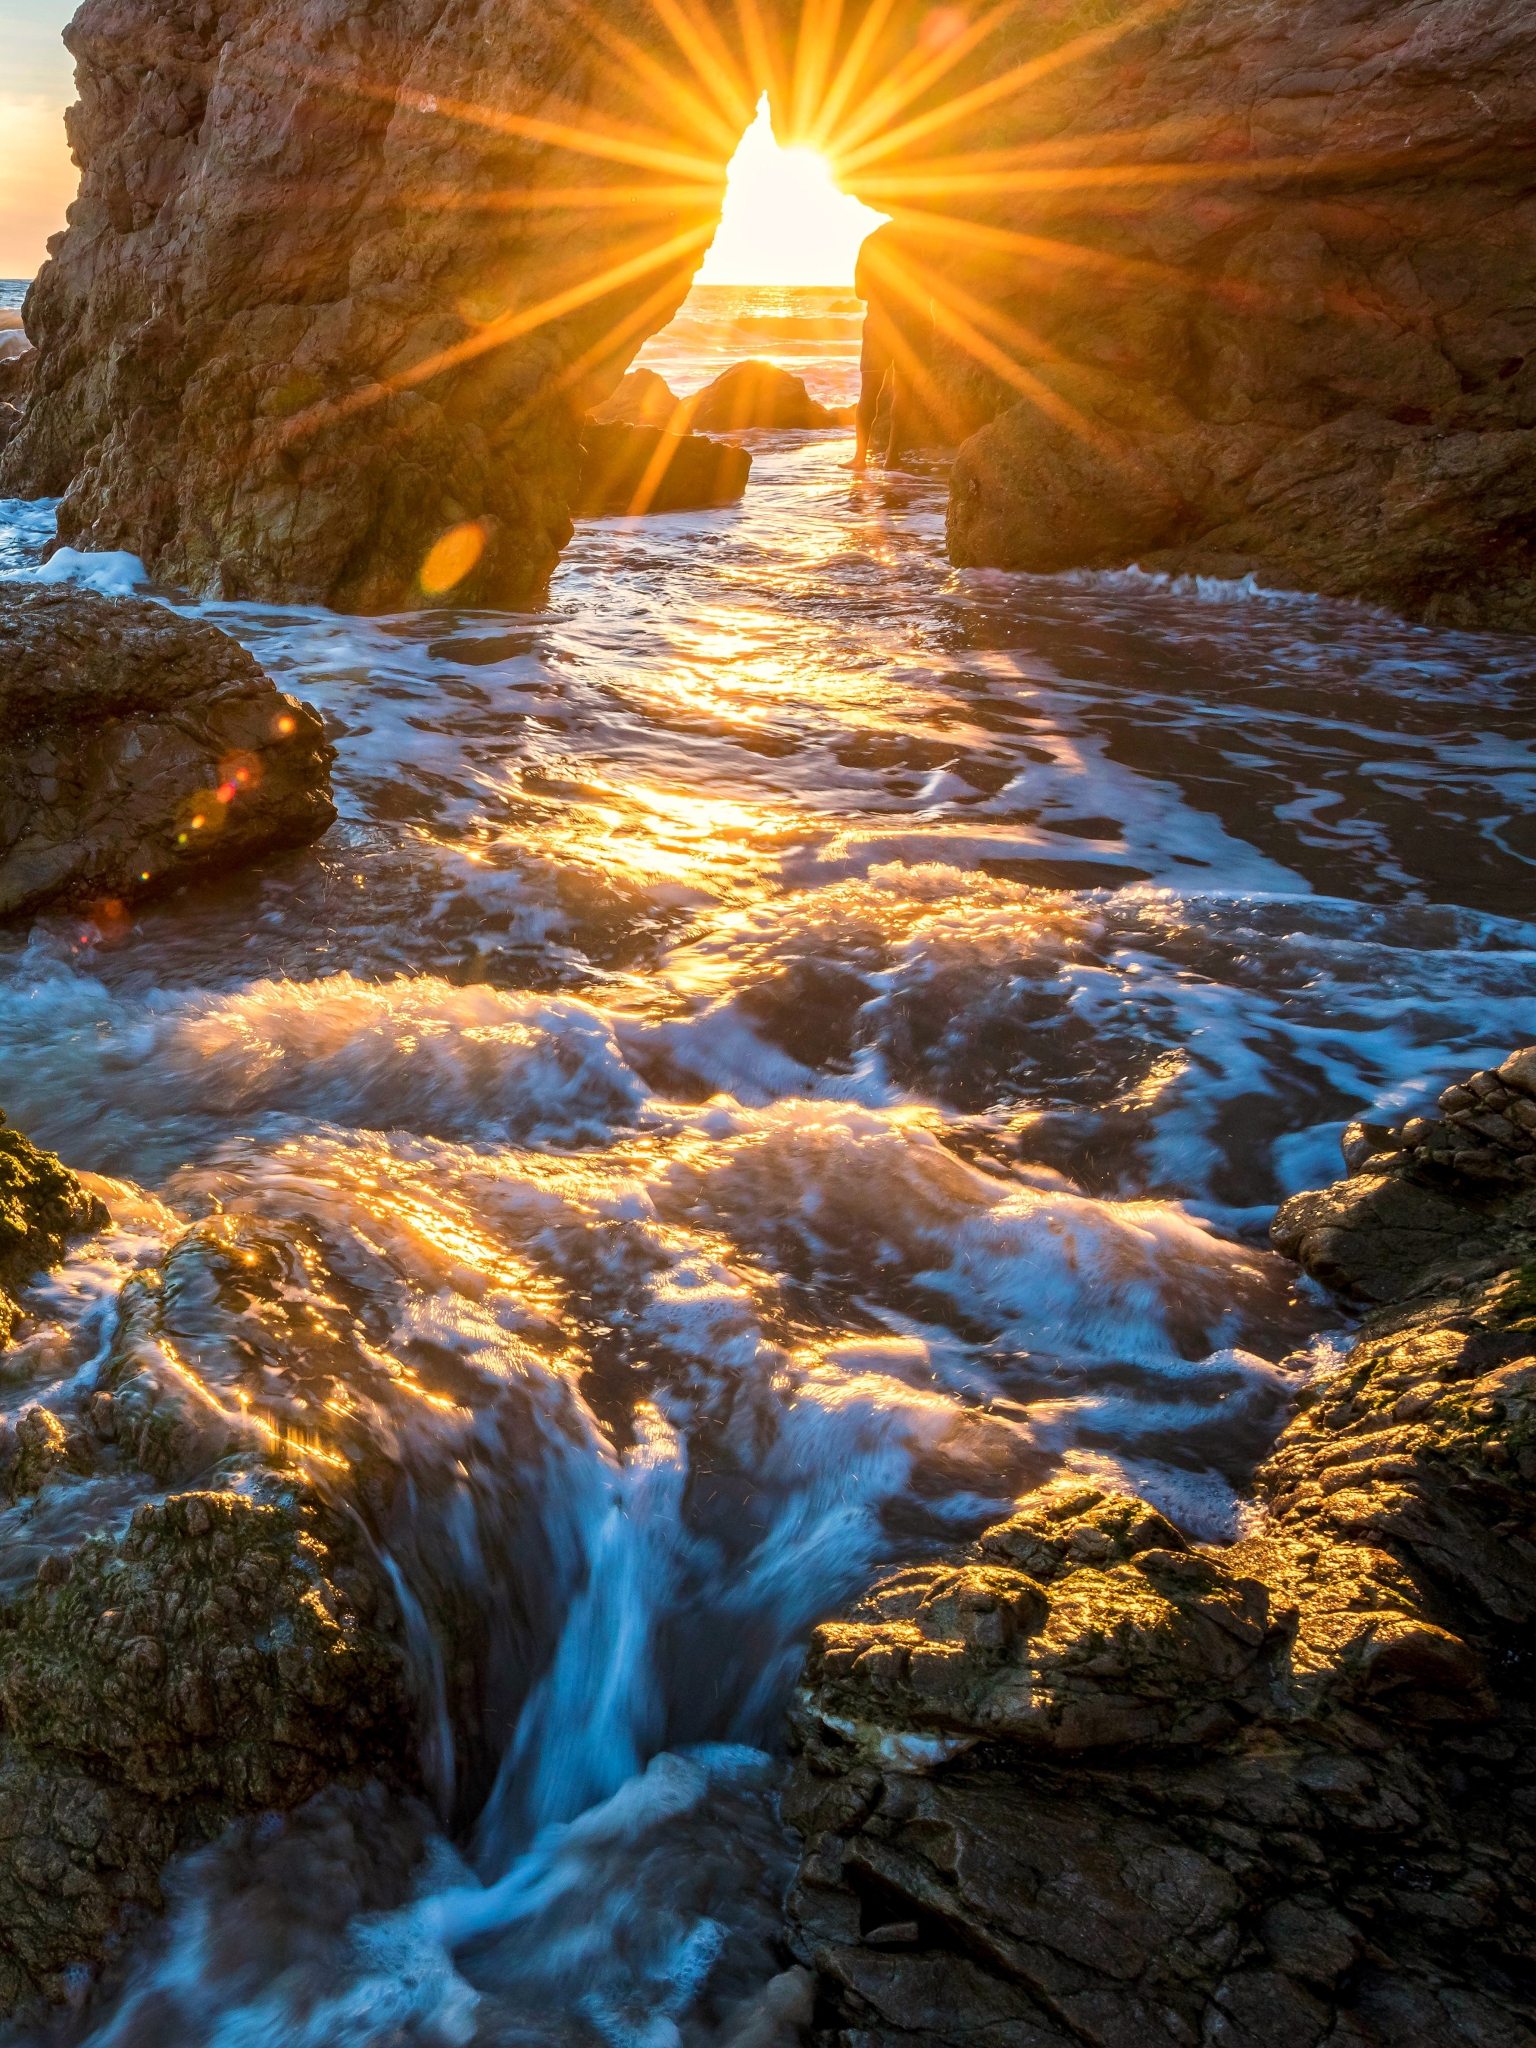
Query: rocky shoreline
[1087,1781]
[1091,1782]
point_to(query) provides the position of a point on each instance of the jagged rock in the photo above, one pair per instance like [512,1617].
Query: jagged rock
[139,750]
[1091,1783]
[643,469]
[1200,323]
[233,1650]
[643,399]
[42,1205]
[1429,1203]
[206,1665]
[754,394]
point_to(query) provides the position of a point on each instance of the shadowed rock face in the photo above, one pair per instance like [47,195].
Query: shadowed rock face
[139,750]
[297,327]
[1323,369]
[1088,1783]
[1228,286]
[630,469]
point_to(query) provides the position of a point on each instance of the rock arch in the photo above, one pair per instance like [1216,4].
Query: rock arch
[1225,284]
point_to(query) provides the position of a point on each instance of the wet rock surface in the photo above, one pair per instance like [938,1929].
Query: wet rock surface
[138,751]
[1433,1202]
[194,1626]
[1090,1782]
[42,1205]
[643,399]
[633,469]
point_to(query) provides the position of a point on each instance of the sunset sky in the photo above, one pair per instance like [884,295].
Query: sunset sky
[37,179]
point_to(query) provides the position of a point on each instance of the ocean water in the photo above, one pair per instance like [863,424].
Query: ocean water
[786,1047]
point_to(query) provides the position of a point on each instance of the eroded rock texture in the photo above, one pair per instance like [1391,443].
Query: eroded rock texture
[1090,1783]
[1230,285]
[42,1206]
[1273,311]
[309,313]
[193,1626]
[139,750]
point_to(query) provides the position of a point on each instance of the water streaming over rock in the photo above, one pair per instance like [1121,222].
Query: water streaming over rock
[784,1047]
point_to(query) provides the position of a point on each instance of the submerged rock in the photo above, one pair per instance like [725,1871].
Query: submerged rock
[139,750]
[755,394]
[643,469]
[1091,1782]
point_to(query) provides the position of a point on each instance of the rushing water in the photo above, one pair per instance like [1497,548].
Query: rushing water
[784,1047]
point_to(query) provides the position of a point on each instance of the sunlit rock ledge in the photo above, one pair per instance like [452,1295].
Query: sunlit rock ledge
[1091,1782]
[1231,286]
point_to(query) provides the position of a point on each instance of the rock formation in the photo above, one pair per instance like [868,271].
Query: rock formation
[1434,1202]
[642,400]
[18,360]
[310,312]
[754,394]
[644,469]
[1258,296]
[139,750]
[1091,1783]
[42,1205]
[1227,286]
[223,1640]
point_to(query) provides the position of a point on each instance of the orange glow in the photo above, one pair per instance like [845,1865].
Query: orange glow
[784,221]
[451,558]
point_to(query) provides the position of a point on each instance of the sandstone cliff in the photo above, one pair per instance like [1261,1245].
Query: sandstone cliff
[1235,284]
[1259,296]
[1091,1783]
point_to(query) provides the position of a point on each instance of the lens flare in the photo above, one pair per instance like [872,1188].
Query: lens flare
[452,557]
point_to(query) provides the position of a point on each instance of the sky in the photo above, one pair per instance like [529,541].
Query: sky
[37,179]
[785,222]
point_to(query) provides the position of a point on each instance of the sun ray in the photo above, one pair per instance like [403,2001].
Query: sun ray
[814,48]
[568,198]
[1091,177]
[871,25]
[497,333]
[761,55]
[1008,83]
[917,71]
[706,50]
[641,318]
[716,127]
[618,142]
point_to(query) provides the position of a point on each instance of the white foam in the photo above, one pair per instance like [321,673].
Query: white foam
[112,574]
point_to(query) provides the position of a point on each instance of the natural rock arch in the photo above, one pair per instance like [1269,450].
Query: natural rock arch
[1242,284]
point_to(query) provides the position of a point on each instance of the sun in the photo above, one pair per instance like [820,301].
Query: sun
[784,221]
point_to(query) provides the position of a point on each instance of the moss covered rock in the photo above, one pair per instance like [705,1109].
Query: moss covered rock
[42,1205]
